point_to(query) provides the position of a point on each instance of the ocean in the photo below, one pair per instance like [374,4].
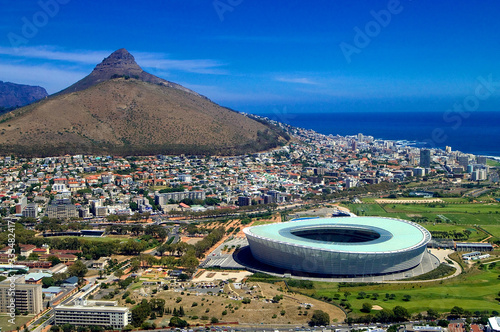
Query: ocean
[479,133]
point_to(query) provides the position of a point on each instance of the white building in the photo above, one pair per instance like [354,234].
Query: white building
[98,315]
[185,177]
[419,171]
[493,324]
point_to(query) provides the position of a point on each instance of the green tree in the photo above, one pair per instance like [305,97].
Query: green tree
[140,313]
[177,322]
[457,311]
[319,318]
[48,282]
[78,269]
[400,313]
[432,314]
[366,307]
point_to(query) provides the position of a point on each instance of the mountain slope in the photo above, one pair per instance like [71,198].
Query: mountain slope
[17,95]
[126,115]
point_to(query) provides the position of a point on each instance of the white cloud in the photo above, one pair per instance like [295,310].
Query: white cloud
[159,61]
[50,53]
[298,80]
[49,77]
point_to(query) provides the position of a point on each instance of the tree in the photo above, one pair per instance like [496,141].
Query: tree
[277,298]
[457,311]
[366,307]
[400,313]
[432,314]
[319,318]
[177,322]
[78,269]
[48,282]
[406,298]
[214,320]
[141,313]
[54,260]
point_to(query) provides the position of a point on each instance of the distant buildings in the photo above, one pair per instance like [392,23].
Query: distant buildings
[244,201]
[419,171]
[463,161]
[425,158]
[62,211]
[468,246]
[479,175]
[165,198]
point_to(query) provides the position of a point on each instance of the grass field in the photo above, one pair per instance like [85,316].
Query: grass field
[462,213]
[475,236]
[20,321]
[476,290]
[493,229]
[492,162]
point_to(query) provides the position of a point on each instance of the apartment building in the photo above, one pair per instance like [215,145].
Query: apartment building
[27,297]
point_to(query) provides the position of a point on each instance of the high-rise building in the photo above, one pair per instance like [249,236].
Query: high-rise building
[481,160]
[479,175]
[463,161]
[360,137]
[27,297]
[418,171]
[244,201]
[425,158]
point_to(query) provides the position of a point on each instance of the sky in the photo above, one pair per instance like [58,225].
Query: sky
[259,56]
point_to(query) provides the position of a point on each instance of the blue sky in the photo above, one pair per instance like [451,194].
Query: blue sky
[260,56]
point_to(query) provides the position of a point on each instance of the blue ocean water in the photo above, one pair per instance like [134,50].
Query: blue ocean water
[478,133]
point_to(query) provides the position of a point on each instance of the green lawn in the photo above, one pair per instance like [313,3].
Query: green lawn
[492,162]
[475,236]
[463,213]
[20,321]
[493,229]
[366,209]
[474,291]
[494,208]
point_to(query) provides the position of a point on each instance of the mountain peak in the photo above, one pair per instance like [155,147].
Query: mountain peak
[120,62]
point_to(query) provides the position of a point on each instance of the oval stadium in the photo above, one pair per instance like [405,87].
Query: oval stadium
[342,246]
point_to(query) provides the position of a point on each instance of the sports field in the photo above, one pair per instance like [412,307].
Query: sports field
[475,290]
[456,212]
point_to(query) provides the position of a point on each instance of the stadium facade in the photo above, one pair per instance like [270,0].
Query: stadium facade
[345,246]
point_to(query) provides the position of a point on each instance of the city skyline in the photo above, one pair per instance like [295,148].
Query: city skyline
[256,56]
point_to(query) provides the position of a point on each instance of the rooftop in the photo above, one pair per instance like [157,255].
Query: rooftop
[394,234]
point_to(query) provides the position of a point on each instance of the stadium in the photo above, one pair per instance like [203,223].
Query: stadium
[344,246]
